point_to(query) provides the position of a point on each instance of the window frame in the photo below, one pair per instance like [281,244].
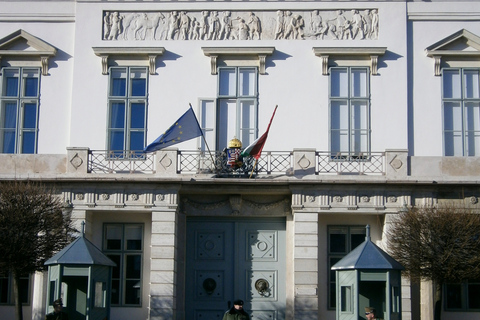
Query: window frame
[21,101]
[351,101]
[239,99]
[337,256]
[128,100]
[464,296]
[10,299]
[462,101]
[123,253]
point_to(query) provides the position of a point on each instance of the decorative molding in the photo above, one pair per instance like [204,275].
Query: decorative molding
[365,56]
[203,25]
[36,49]
[149,54]
[243,54]
[461,47]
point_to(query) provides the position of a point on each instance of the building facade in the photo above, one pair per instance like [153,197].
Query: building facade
[378,111]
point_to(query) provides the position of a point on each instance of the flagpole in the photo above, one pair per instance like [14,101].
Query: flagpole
[251,174]
[204,140]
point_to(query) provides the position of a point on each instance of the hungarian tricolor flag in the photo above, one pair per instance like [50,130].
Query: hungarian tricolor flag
[255,148]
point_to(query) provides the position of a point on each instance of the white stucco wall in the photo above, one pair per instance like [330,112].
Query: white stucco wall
[430,24]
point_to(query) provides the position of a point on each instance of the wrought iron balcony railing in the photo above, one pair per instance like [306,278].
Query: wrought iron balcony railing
[215,163]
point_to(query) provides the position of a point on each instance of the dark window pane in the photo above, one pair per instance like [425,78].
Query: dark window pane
[116,141]
[30,115]
[28,142]
[31,87]
[333,295]
[116,270]
[133,267]
[115,292]
[338,243]
[117,115]
[134,244]
[139,87]
[137,141]
[11,87]
[132,292]
[138,116]
[114,244]
[356,240]
[119,87]
[10,116]
[4,290]
[454,296]
[8,142]
[474,296]
[24,290]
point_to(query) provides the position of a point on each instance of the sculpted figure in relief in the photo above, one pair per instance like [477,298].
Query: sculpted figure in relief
[106,25]
[254,25]
[242,29]
[367,23]
[210,25]
[213,25]
[357,25]
[225,26]
[280,25]
[184,25]
[115,26]
[173,25]
[203,25]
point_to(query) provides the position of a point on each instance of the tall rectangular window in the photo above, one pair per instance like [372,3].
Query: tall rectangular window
[19,110]
[6,289]
[462,296]
[236,114]
[461,112]
[341,240]
[127,102]
[349,111]
[123,243]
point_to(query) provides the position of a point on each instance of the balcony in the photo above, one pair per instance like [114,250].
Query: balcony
[215,163]
[305,164]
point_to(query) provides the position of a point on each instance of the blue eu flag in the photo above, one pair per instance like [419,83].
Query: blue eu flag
[185,128]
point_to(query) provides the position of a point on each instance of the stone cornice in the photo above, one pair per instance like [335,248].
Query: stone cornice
[368,53]
[238,53]
[149,53]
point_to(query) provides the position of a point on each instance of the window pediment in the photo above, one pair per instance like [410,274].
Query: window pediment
[22,46]
[461,49]
[362,56]
[248,56]
[148,54]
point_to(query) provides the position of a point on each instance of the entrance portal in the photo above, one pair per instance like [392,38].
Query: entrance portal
[228,260]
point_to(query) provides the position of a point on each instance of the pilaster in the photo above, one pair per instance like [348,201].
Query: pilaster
[163,286]
[305,265]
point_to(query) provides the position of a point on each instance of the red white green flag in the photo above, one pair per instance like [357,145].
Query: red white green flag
[256,147]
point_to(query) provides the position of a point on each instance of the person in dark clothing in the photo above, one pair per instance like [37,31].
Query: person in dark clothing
[236,312]
[57,313]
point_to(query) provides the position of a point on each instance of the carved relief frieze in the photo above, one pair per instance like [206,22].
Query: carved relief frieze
[312,24]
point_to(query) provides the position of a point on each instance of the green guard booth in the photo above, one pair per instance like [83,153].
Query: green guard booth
[81,275]
[368,277]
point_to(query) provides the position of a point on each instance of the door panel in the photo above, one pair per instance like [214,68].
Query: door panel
[228,260]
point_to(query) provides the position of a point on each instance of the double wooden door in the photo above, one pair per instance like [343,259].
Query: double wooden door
[228,260]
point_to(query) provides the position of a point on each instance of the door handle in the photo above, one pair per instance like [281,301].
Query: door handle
[262,287]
